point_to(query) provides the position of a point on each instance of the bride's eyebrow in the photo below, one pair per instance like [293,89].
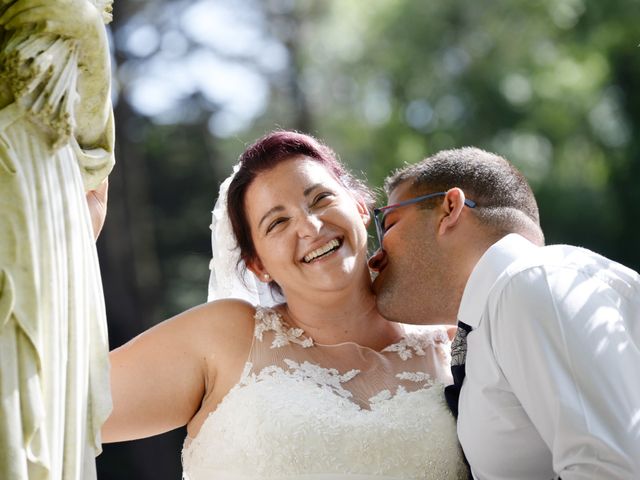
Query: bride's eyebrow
[277,208]
[310,189]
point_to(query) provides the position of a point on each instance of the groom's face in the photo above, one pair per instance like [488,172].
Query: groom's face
[410,265]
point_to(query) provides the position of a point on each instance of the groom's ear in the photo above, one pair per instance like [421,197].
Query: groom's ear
[451,210]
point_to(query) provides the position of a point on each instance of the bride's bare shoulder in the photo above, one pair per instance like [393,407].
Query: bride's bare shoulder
[219,323]
[228,316]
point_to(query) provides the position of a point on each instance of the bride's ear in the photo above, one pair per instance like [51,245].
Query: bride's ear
[363,210]
[257,268]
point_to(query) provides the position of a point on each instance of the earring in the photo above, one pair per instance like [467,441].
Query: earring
[266,277]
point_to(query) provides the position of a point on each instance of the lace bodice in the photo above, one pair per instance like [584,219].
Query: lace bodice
[303,410]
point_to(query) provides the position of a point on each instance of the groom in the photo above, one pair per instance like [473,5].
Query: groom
[549,336]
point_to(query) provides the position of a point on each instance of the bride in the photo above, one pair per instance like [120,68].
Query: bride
[319,386]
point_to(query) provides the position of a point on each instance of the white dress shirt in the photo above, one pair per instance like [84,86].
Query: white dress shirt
[552,384]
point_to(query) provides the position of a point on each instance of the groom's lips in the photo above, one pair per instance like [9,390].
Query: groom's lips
[377,281]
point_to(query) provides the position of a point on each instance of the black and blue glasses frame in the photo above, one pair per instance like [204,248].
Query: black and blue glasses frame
[379,219]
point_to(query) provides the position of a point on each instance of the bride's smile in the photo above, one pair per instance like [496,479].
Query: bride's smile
[324,251]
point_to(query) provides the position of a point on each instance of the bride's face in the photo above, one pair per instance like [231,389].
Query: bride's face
[308,230]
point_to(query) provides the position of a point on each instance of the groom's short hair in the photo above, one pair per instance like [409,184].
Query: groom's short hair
[504,198]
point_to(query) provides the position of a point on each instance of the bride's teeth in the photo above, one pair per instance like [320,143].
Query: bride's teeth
[322,250]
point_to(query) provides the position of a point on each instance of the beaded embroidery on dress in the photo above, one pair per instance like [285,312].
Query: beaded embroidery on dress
[303,410]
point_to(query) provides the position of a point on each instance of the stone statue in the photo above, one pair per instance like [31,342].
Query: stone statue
[56,142]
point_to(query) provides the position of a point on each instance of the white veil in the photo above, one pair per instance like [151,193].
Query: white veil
[226,279]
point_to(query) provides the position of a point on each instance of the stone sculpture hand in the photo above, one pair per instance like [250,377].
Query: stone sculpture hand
[78,20]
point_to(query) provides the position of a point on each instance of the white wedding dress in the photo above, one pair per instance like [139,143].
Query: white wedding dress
[303,410]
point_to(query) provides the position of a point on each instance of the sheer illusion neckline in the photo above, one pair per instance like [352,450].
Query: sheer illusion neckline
[271,319]
[306,340]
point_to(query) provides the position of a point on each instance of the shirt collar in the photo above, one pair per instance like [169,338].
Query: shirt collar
[484,275]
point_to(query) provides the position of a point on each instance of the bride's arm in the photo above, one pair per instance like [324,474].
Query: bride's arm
[160,378]
[164,376]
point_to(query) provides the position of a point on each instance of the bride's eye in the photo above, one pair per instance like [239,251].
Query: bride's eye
[320,197]
[275,223]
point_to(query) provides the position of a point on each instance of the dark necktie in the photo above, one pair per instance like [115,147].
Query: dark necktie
[458,359]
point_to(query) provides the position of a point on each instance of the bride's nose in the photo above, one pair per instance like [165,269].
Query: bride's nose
[378,261]
[309,225]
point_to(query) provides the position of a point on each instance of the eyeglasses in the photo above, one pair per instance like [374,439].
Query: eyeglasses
[379,219]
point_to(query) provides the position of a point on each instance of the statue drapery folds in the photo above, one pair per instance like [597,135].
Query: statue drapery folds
[56,142]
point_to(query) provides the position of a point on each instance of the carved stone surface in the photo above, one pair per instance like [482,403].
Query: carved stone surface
[56,141]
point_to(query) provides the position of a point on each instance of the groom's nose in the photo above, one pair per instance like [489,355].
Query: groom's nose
[378,261]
